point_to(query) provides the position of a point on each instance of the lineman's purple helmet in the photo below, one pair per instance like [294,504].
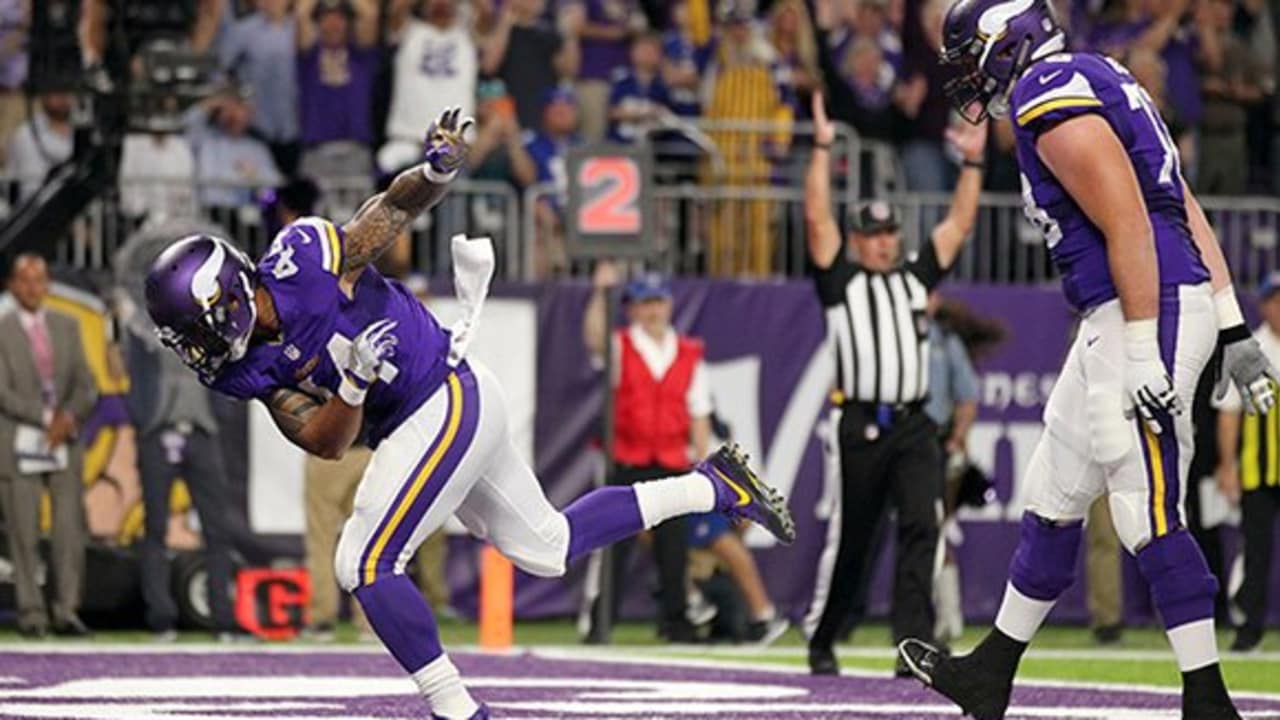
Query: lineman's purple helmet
[989,43]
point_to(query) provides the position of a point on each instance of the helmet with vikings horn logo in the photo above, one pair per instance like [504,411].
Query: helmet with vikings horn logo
[989,44]
[199,294]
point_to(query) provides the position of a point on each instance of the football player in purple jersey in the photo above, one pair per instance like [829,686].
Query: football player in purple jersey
[338,352]
[1140,263]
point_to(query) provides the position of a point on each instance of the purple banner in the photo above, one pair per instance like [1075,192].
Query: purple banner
[770,376]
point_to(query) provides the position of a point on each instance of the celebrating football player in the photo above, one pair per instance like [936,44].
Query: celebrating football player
[337,351]
[1139,261]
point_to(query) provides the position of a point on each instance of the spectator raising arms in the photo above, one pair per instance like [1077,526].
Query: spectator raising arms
[435,68]
[1164,27]
[260,50]
[337,67]
[1228,90]
[605,34]
[530,55]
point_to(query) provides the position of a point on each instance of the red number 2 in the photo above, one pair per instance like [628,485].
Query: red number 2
[611,192]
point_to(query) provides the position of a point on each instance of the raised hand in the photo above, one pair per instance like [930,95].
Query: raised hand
[969,140]
[447,144]
[824,131]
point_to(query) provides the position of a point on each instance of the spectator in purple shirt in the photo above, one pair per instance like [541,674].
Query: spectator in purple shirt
[921,100]
[1165,27]
[336,73]
[605,37]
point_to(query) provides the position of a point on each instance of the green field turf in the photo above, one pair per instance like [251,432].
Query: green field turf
[1060,653]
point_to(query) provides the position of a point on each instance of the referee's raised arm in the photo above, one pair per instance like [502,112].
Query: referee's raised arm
[823,237]
[949,235]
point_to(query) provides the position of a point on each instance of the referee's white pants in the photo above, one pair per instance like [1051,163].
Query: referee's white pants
[453,455]
[1088,446]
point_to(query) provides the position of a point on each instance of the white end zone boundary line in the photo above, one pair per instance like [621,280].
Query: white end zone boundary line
[633,655]
[596,655]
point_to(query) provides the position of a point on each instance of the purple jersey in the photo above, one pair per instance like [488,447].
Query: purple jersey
[318,321]
[1067,85]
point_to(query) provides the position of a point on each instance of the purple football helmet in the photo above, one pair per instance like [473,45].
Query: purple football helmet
[988,44]
[200,296]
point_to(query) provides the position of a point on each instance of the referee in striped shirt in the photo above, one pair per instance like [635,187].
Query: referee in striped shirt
[889,450]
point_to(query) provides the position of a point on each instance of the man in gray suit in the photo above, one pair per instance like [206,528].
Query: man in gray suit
[46,392]
[178,437]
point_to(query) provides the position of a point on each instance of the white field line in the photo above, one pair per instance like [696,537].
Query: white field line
[1100,654]
[596,655]
[636,655]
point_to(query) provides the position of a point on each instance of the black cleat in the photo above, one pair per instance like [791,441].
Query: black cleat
[962,680]
[1204,695]
[822,661]
[740,493]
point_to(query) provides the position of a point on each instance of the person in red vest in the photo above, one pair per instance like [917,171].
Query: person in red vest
[661,414]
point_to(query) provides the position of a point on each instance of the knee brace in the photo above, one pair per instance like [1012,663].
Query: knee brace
[1182,587]
[1044,565]
[1129,516]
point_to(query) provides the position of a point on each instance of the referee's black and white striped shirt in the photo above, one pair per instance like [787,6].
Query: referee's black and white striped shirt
[877,327]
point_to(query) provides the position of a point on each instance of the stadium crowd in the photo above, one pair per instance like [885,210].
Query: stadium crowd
[330,89]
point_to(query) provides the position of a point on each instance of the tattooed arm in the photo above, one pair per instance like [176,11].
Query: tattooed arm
[384,216]
[322,428]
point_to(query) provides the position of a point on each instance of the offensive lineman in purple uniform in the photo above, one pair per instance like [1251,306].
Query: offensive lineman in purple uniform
[1139,261]
[336,351]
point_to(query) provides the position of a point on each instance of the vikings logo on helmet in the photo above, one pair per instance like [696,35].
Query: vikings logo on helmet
[200,295]
[989,43]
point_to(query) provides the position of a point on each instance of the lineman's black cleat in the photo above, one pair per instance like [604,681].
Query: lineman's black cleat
[822,661]
[978,691]
[1204,695]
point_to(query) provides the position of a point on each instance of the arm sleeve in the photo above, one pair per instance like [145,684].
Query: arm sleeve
[699,396]
[832,280]
[925,266]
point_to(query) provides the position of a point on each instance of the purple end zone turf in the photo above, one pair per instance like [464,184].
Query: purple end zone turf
[176,685]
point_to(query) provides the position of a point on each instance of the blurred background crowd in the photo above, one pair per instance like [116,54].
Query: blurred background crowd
[341,91]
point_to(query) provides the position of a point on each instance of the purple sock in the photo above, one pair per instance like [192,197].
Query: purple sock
[1182,587]
[602,517]
[402,619]
[1044,565]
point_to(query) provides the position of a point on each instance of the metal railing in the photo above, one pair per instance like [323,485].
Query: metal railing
[476,207]
[756,229]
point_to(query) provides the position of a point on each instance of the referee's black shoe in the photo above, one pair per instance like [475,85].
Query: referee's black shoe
[740,493]
[976,688]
